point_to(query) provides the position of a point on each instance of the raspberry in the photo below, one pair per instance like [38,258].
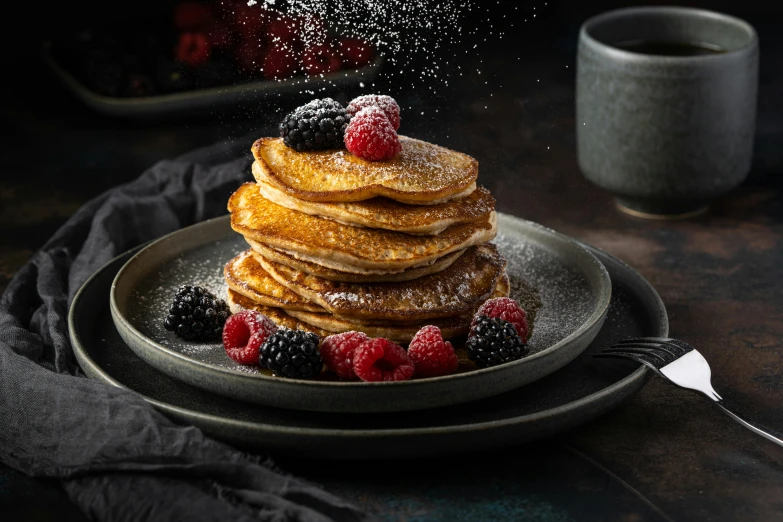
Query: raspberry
[493,341]
[337,352]
[193,49]
[280,61]
[371,136]
[320,59]
[382,360]
[508,310]
[355,52]
[386,103]
[431,355]
[244,333]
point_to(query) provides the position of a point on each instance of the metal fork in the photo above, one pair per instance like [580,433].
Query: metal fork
[681,364]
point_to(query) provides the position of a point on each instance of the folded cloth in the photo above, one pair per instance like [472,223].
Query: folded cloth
[117,457]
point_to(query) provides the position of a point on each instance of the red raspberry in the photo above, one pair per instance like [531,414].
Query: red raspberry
[244,333]
[193,49]
[386,103]
[431,355]
[192,16]
[508,310]
[280,61]
[337,352]
[355,52]
[371,136]
[382,360]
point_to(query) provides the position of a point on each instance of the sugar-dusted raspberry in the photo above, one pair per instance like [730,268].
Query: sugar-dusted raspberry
[382,360]
[337,352]
[244,333]
[385,103]
[371,136]
[508,310]
[431,355]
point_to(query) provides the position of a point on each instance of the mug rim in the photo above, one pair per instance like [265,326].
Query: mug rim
[593,21]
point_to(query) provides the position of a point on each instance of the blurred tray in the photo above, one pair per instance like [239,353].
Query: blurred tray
[208,98]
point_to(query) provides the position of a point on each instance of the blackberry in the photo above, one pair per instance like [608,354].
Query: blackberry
[196,314]
[292,353]
[317,125]
[494,341]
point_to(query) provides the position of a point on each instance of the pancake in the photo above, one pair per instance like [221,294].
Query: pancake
[353,274]
[259,219]
[238,302]
[245,276]
[385,213]
[422,173]
[450,327]
[454,291]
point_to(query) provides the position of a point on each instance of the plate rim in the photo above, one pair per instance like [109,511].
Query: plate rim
[599,314]
[94,371]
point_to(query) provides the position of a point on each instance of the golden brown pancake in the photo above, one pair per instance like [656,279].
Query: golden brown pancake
[450,327]
[386,213]
[356,275]
[257,218]
[238,302]
[454,291]
[245,276]
[422,173]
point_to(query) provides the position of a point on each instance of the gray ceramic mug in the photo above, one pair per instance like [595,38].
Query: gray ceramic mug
[665,134]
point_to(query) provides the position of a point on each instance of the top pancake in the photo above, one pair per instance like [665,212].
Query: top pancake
[385,213]
[257,218]
[421,174]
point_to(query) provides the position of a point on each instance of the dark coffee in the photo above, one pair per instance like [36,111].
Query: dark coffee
[669,48]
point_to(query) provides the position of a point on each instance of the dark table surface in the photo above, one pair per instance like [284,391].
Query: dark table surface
[664,455]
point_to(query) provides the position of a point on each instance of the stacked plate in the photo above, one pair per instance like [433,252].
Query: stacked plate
[569,288]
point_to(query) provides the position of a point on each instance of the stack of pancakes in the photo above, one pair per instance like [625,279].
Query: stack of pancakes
[338,243]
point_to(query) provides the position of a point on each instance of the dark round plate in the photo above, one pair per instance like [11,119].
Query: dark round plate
[572,286]
[581,390]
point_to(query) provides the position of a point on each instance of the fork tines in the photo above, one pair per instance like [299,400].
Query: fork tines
[652,351]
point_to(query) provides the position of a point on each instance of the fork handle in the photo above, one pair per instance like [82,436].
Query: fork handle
[734,414]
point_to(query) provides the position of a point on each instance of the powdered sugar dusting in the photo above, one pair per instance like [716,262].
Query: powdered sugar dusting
[566,300]
[558,298]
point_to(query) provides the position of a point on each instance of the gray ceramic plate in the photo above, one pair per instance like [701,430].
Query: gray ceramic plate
[209,98]
[572,286]
[581,390]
